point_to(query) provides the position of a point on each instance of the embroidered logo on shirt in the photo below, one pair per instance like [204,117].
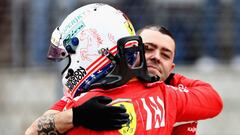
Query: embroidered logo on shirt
[130,127]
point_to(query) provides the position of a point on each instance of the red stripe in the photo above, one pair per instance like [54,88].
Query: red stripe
[88,74]
[96,68]
[98,59]
[101,59]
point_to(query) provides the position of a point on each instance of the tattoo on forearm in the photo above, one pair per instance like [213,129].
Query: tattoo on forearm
[46,125]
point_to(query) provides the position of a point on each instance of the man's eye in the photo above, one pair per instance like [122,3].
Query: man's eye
[166,56]
[147,48]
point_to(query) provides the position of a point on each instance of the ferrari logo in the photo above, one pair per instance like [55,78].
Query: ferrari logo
[129,27]
[130,127]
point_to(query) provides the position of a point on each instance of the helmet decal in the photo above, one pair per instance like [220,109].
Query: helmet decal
[92,40]
[79,26]
[75,76]
[129,27]
[112,39]
[82,37]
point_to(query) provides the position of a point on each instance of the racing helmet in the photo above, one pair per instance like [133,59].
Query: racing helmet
[86,36]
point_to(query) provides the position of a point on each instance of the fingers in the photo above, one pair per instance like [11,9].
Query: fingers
[119,121]
[115,109]
[97,114]
[118,116]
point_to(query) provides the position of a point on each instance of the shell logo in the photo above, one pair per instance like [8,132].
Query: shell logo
[130,127]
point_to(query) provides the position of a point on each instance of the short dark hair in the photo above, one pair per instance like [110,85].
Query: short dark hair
[158,28]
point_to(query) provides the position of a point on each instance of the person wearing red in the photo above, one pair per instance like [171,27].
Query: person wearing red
[154,108]
[177,80]
[182,83]
[135,106]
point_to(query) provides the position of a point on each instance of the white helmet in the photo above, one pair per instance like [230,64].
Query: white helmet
[84,36]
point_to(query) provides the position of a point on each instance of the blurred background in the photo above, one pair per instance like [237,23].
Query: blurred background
[208,48]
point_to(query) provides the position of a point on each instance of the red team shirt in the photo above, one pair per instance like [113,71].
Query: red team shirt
[155,108]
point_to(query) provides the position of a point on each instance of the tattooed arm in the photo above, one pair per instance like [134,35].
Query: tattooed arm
[93,114]
[51,122]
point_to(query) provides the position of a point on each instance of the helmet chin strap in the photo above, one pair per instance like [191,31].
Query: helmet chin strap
[69,63]
[122,73]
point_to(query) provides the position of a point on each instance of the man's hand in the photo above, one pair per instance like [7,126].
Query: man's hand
[97,115]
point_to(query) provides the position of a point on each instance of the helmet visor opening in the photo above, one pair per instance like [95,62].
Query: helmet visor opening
[55,53]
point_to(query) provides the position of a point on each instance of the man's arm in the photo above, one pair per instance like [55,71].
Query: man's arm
[52,121]
[182,128]
[183,82]
[94,114]
[194,103]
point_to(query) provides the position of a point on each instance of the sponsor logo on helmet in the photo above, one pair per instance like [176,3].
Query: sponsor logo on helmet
[71,34]
[75,78]
[129,27]
[73,22]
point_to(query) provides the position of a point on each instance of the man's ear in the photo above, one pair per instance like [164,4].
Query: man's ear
[170,76]
[172,67]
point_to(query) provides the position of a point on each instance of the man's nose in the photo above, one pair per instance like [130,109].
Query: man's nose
[156,56]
